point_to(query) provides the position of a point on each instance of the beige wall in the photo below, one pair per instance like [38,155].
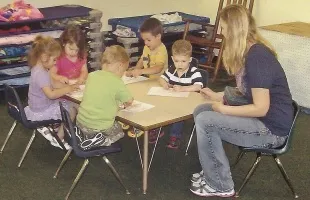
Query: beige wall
[265,11]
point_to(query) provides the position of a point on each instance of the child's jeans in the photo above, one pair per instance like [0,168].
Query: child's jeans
[176,129]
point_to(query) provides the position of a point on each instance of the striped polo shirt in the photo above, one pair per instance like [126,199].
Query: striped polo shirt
[191,77]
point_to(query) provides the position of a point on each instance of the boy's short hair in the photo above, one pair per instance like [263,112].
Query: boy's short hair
[182,47]
[153,26]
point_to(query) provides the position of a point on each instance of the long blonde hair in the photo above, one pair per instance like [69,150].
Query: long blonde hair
[241,31]
[43,45]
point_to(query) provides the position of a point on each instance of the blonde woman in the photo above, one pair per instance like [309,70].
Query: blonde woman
[264,122]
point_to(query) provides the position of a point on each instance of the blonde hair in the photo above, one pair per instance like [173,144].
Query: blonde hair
[241,30]
[43,45]
[182,47]
[114,54]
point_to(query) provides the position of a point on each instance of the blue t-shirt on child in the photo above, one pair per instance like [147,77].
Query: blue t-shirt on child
[262,70]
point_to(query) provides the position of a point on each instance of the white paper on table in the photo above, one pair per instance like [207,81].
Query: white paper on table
[128,80]
[138,106]
[160,91]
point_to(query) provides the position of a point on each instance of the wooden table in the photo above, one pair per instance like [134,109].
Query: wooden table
[292,44]
[167,110]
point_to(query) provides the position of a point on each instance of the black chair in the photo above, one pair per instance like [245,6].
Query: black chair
[16,111]
[70,129]
[270,152]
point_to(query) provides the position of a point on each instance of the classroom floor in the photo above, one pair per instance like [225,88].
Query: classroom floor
[168,177]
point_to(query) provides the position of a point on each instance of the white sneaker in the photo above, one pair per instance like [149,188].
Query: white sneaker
[204,190]
[45,132]
[197,177]
[56,144]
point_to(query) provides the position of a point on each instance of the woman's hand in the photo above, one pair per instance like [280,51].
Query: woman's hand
[210,94]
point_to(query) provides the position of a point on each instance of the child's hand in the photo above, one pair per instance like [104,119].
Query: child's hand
[80,81]
[64,80]
[177,88]
[74,87]
[136,72]
[128,73]
[166,86]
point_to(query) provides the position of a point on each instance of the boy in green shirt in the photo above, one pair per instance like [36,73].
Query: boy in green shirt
[104,92]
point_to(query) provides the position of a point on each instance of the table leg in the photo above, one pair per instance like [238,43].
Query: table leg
[145,160]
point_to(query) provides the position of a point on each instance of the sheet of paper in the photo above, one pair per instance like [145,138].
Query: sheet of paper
[160,91]
[128,80]
[138,106]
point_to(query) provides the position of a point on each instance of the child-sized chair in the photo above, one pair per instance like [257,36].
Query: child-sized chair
[16,111]
[71,131]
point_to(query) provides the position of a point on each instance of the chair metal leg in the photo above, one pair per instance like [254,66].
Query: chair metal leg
[139,151]
[154,149]
[285,176]
[8,136]
[63,162]
[250,173]
[106,160]
[240,155]
[190,140]
[27,148]
[77,178]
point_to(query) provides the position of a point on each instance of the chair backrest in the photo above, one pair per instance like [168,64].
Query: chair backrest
[288,142]
[204,73]
[14,105]
[69,128]
[248,4]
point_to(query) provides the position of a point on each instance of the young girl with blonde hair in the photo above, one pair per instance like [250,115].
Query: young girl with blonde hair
[264,122]
[43,100]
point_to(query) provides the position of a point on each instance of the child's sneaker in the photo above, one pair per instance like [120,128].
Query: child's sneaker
[133,132]
[125,127]
[56,144]
[45,132]
[197,177]
[153,135]
[204,190]
[174,142]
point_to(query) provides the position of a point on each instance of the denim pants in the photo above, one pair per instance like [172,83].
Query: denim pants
[176,129]
[212,128]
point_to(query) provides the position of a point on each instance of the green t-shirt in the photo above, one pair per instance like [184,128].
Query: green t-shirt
[104,91]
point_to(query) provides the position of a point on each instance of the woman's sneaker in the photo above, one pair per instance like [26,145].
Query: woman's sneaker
[204,190]
[197,177]
[45,132]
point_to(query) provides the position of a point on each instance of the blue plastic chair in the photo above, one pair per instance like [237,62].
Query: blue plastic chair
[270,152]
[16,111]
[70,131]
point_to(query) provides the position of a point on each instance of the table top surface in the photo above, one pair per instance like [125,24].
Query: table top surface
[167,110]
[292,28]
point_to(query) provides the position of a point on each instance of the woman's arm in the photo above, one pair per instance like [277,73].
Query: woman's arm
[259,108]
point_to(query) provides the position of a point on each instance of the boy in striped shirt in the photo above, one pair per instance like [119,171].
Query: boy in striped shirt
[182,76]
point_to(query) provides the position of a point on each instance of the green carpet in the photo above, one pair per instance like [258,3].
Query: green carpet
[168,177]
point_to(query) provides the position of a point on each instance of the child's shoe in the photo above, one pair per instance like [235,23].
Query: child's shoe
[56,144]
[174,142]
[153,135]
[204,190]
[45,132]
[134,132]
[125,127]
